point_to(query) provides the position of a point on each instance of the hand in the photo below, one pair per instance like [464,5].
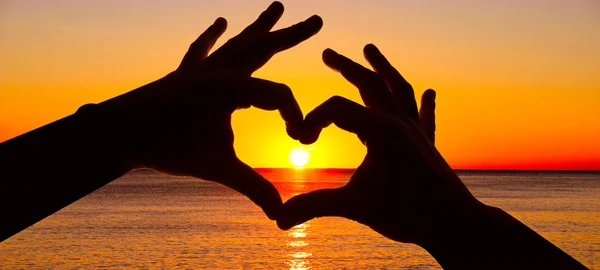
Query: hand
[403,187]
[182,122]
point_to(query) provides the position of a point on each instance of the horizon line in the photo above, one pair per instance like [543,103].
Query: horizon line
[486,170]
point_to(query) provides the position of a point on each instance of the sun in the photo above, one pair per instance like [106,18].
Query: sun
[299,157]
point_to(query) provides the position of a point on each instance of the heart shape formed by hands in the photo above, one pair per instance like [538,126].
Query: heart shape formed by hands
[403,188]
[183,127]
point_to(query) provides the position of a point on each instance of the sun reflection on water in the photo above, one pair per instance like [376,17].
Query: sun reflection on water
[298,256]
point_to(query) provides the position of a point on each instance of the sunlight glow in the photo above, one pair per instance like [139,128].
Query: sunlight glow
[299,157]
[299,255]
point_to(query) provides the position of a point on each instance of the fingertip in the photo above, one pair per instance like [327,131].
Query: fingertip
[429,94]
[375,57]
[276,6]
[305,141]
[368,53]
[329,57]
[308,137]
[270,202]
[308,140]
[293,130]
[313,24]
[291,113]
[286,219]
[370,48]
[316,20]
[285,224]
[221,25]
[245,180]
[273,212]
[220,21]
[329,52]
[266,20]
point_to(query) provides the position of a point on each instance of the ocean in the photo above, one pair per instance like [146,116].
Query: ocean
[147,220]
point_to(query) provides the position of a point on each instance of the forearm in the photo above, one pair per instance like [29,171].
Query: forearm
[492,239]
[53,166]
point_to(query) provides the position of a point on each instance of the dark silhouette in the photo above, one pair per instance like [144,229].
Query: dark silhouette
[404,189]
[181,125]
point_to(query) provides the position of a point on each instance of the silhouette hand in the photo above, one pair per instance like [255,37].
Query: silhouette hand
[182,122]
[403,188]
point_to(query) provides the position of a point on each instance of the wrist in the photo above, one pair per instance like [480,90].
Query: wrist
[463,238]
[454,220]
[109,134]
[132,115]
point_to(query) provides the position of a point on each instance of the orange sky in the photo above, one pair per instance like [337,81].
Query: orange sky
[518,81]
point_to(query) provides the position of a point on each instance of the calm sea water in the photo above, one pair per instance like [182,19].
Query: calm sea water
[149,220]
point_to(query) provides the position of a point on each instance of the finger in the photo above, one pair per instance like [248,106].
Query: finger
[289,37]
[269,95]
[344,113]
[402,91]
[245,180]
[260,50]
[318,203]
[372,88]
[266,20]
[201,46]
[427,114]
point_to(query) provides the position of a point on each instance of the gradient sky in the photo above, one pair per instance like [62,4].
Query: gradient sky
[518,82]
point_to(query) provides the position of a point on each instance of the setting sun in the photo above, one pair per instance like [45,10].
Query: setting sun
[299,157]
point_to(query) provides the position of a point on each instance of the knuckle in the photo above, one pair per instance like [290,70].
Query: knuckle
[264,41]
[197,43]
[371,80]
[336,100]
[285,91]
[374,77]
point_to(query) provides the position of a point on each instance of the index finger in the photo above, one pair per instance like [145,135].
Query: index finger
[286,38]
[372,88]
[260,50]
[268,95]
[344,113]
[201,46]
[243,179]
[266,20]
[402,91]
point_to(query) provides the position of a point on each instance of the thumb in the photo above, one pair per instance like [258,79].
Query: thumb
[318,203]
[242,178]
